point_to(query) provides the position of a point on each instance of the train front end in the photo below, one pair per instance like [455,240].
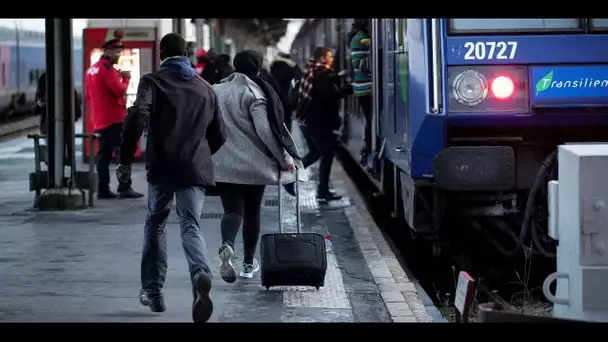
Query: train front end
[513,90]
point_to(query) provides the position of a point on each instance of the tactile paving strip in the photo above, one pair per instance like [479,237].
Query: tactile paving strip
[331,296]
[308,200]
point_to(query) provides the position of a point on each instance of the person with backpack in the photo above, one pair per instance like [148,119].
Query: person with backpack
[258,152]
[185,125]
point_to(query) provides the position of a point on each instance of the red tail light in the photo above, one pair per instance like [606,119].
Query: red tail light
[502,87]
[484,89]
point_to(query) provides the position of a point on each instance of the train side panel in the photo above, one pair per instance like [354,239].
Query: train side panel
[413,135]
[426,130]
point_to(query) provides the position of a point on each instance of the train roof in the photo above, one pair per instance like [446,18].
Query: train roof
[9,35]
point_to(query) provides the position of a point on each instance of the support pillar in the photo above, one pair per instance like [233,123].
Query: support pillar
[60,107]
[179,27]
[200,36]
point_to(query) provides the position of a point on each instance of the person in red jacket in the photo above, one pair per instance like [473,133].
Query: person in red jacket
[106,90]
[201,58]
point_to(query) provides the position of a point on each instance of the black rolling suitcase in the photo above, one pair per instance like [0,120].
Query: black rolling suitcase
[290,259]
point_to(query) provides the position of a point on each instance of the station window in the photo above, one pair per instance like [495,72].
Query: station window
[513,25]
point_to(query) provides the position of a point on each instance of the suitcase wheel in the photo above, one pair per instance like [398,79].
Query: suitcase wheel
[317,287]
[267,287]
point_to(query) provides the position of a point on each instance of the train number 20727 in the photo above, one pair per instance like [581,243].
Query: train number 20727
[490,50]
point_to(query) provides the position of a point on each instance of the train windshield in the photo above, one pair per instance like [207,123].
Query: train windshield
[599,24]
[516,25]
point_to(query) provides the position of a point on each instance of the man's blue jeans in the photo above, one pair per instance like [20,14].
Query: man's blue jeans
[189,204]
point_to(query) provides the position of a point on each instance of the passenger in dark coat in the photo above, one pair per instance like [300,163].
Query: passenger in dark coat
[285,70]
[223,68]
[40,108]
[318,109]
[210,70]
[186,128]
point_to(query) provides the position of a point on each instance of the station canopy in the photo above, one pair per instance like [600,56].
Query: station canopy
[271,30]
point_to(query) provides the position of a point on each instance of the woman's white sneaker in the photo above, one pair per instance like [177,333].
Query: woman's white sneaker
[227,270]
[250,269]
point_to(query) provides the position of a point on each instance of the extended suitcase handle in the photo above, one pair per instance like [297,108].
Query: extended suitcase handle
[298,220]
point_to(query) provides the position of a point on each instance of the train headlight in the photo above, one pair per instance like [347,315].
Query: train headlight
[470,88]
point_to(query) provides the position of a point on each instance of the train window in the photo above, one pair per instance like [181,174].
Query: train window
[403,72]
[400,35]
[599,24]
[513,25]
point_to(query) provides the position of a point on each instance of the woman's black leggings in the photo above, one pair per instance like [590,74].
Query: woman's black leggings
[242,204]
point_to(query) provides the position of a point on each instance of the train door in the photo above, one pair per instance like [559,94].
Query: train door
[388,99]
[401,96]
[394,125]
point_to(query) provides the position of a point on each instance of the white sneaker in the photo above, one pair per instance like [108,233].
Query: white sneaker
[227,270]
[250,269]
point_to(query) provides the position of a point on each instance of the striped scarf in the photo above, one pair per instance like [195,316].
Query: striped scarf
[305,89]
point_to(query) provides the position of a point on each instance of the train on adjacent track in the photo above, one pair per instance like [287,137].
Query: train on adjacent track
[467,117]
[22,61]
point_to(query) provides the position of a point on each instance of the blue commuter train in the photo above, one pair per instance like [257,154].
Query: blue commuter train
[468,115]
[22,61]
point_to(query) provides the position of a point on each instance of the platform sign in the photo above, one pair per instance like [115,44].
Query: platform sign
[464,296]
[140,56]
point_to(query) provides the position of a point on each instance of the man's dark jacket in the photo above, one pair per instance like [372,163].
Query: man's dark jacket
[323,111]
[184,123]
[41,110]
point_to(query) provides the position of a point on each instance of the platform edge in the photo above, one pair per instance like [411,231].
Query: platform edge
[398,292]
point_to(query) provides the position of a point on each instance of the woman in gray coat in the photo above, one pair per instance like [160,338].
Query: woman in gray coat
[258,150]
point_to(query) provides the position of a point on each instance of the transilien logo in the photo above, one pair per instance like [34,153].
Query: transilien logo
[544,83]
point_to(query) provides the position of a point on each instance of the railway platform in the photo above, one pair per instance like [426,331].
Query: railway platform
[83,266]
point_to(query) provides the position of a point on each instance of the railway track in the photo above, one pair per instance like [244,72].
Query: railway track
[497,281]
[19,126]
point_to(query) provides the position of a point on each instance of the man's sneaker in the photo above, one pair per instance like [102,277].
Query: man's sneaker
[203,306]
[328,196]
[227,270]
[106,195]
[156,303]
[130,193]
[249,269]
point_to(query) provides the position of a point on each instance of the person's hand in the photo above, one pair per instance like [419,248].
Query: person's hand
[289,164]
[290,167]
[123,173]
[125,74]
[343,73]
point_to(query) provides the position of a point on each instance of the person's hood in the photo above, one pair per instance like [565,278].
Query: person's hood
[242,79]
[287,61]
[180,64]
